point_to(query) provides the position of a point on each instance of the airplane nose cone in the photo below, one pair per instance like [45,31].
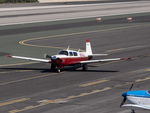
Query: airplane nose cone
[54,57]
[124,94]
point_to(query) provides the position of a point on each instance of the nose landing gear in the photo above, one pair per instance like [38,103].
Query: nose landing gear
[56,68]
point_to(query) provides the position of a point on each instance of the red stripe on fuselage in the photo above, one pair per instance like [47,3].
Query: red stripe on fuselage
[70,61]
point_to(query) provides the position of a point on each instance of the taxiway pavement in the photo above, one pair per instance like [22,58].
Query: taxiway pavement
[33,88]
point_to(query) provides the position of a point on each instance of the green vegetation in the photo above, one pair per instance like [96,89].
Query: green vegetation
[18,1]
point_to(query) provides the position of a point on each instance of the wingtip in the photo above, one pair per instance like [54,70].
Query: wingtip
[9,56]
[129,58]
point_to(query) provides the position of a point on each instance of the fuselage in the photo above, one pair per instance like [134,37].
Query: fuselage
[69,57]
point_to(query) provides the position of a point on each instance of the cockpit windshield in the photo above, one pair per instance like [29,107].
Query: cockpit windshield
[63,53]
[148,92]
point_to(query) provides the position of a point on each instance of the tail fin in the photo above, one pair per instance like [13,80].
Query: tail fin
[88,48]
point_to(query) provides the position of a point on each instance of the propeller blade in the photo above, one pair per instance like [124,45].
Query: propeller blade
[124,100]
[131,87]
[47,56]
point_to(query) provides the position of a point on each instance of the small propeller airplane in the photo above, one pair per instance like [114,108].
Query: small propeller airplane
[138,99]
[71,58]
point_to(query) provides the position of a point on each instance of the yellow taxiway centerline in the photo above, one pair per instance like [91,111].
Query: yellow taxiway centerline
[59,100]
[23,42]
[14,101]
[30,78]
[93,83]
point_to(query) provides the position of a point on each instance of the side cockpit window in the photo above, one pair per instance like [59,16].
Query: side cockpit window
[148,92]
[75,54]
[63,53]
[71,54]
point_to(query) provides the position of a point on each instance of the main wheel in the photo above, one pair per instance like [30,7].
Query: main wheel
[58,70]
[85,67]
[132,111]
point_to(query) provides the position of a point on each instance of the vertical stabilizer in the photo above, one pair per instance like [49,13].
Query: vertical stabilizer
[88,48]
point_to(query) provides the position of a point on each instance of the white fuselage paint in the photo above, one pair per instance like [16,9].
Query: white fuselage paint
[139,100]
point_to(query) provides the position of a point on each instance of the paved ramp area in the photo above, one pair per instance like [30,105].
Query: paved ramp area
[30,87]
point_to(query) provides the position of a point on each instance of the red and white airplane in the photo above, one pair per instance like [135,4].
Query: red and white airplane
[71,58]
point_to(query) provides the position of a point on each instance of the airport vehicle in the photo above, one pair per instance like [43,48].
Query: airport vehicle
[71,58]
[137,99]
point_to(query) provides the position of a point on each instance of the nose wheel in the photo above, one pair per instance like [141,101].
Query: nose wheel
[58,70]
[55,68]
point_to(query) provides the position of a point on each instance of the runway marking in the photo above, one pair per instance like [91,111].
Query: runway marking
[5,72]
[141,80]
[14,101]
[30,78]
[59,100]
[141,71]
[93,83]
[147,69]
[18,64]
[78,33]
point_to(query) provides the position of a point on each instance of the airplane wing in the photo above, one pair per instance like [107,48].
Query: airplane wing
[103,60]
[136,106]
[33,59]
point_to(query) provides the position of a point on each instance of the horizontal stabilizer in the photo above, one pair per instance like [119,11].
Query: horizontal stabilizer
[103,60]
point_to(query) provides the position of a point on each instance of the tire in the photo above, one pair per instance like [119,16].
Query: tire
[58,70]
[85,67]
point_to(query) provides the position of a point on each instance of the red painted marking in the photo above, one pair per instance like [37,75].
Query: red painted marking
[126,58]
[70,61]
[87,40]
[9,56]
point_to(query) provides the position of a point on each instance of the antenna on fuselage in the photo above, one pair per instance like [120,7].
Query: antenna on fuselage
[79,50]
[68,48]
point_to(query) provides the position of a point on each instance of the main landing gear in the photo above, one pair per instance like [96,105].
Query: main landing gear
[84,67]
[56,68]
[132,111]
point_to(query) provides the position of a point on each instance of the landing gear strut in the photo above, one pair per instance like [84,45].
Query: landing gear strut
[85,67]
[55,68]
[132,111]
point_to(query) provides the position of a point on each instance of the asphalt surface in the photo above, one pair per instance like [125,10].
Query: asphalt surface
[86,23]
[34,14]
[33,88]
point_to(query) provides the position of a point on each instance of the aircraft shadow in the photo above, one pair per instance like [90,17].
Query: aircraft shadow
[27,69]
[93,71]
[48,70]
